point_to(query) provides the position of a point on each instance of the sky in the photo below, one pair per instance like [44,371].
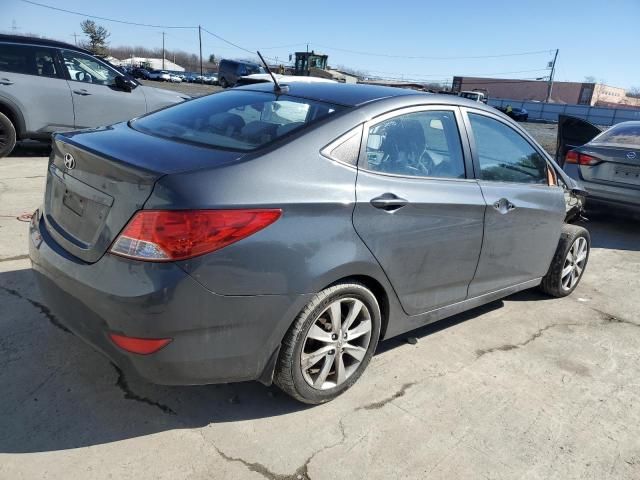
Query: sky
[595,38]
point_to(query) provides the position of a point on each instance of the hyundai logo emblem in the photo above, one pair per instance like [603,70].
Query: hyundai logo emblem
[69,161]
[631,155]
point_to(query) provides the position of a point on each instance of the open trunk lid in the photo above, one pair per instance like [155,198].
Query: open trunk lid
[573,132]
[98,179]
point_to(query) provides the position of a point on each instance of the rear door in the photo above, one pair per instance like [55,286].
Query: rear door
[573,132]
[525,208]
[32,81]
[416,210]
[96,99]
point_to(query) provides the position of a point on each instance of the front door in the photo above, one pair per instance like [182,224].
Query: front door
[416,210]
[96,99]
[524,212]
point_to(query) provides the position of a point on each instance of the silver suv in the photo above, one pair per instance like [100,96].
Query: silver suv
[48,86]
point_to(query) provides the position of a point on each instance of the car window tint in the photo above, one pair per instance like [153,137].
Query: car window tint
[504,155]
[620,134]
[236,119]
[84,68]
[425,144]
[27,59]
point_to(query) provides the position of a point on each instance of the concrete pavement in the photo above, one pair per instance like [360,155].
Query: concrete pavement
[528,387]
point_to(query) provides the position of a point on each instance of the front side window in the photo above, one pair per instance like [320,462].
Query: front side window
[236,119]
[504,155]
[28,60]
[421,144]
[84,68]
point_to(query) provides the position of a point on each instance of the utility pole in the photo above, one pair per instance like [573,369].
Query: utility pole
[75,38]
[200,40]
[553,71]
[162,50]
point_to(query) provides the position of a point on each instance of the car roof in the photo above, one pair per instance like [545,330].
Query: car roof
[347,94]
[356,94]
[45,42]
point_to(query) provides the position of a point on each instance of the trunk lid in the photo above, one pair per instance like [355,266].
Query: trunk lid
[109,174]
[619,165]
[572,132]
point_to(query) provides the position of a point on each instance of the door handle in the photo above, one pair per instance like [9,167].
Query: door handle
[82,92]
[503,206]
[5,81]
[389,202]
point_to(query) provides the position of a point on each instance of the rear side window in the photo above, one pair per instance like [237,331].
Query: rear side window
[628,135]
[236,119]
[28,60]
[504,155]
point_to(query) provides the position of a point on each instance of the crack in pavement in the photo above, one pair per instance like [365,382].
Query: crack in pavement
[400,393]
[44,310]
[129,394]
[512,346]
[609,318]
[301,473]
[17,257]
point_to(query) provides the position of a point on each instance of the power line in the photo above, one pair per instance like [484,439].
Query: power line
[107,19]
[465,57]
[441,75]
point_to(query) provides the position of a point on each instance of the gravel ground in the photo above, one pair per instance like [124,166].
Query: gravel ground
[544,133]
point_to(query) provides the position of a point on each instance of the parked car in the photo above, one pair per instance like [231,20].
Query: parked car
[517,113]
[174,78]
[279,235]
[607,163]
[286,79]
[140,73]
[229,71]
[160,75]
[212,79]
[48,86]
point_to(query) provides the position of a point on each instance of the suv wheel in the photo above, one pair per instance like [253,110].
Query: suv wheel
[569,262]
[330,343]
[7,136]
[223,82]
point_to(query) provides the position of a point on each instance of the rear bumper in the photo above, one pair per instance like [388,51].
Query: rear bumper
[216,338]
[606,194]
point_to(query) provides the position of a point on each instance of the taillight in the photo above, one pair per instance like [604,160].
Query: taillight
[141,346]
[580,158]
[166,235]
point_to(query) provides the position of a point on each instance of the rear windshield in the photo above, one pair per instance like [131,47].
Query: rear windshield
[235,119]
[620,135]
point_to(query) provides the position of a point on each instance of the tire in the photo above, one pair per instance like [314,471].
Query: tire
[571,239]
[289,373]
[223,83]
[8,136]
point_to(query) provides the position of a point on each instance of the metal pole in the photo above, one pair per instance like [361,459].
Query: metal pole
[200,40]
[553,70]
[162,50]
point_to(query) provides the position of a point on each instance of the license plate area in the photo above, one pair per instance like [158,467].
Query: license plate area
[627,174]
[73,202]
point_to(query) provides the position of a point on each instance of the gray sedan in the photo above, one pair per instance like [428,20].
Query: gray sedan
[277,234]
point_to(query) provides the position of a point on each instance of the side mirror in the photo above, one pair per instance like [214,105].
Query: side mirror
[124,83]
[579,192]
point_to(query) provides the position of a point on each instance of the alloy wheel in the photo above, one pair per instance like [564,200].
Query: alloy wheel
[574,263]
[336,343]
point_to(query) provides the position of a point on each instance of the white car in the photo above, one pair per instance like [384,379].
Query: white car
[265,77]
[160,75]
[175,78]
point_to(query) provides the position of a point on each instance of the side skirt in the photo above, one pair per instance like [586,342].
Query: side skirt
[415,321]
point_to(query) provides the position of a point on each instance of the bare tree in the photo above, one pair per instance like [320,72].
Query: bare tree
[97,43]
[633,92]
[590,79]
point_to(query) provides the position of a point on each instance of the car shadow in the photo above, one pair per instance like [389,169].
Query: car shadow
[31,149]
